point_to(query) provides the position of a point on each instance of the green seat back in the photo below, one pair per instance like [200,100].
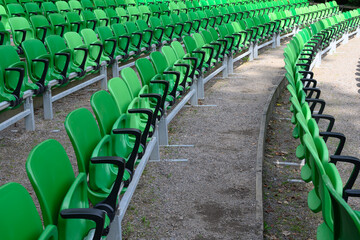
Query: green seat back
[22,220]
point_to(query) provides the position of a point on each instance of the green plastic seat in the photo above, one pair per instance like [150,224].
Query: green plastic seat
[90,19]
[99,4]
[32,8]
[346,221]
[154,82]
[167,73]
[21,31]
[16,10]
[62,196]
[102,18]
[187,25]
[111,4]
[76,6]
[13,78]
[123,14]
[76,24]
[80,52]
[40,65]
[111,44]
[191,61]
[62,57]
[140,118]
[177,28]
[127,46]
[148,100]
[4,17]
[87,5]
[95,46]
[193,51]
[180,66]
[42,27]
[89,144]
[145,12]
[141,39]
[4,35]
[125,140]
[134,13]
[23,220]
[63,7]
[161,33]
[49,8]
[59,24]
[112,15]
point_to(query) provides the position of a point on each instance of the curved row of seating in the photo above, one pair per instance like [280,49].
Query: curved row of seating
[328,195]
[108,46]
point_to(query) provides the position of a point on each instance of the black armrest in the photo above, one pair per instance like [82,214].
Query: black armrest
[330,118]
[339,136]
[109,204]
[348,159]
[195,60]
[130,163]
[308,81]
[96,215]
[23,31]
[62,29]
[166,84]
[113,41]
[46,68]
[149,113]
[312,90]
[21,71]
[67,56]
[314,102]
[86,52]
[97,60]
[157,107]
[177,74]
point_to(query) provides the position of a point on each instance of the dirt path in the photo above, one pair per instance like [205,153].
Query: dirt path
[211,195]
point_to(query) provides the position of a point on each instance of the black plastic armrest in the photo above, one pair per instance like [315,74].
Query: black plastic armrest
[86,52]
[314,102]
[21,79]
[114,46]
[166,84]
[307,81]
[339,136]
[350,193]
[158,104]
[137,133]
[96,215]
[67,56]
[312,90]
[46,68]
[109,204]
[23,31]
[62,28]
[149,114]
[97,60]
[307,72]
[330,118]
[348,159]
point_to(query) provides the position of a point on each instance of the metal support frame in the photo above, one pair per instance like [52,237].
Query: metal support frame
[357,32]
[27,113]
[256,50]
[191,96]
[345,38]
[48,99]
